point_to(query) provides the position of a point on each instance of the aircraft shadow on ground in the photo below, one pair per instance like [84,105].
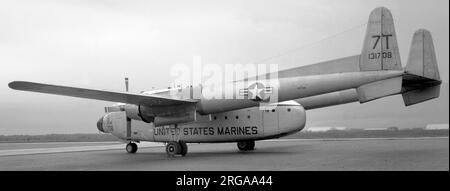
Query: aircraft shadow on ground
[159,153]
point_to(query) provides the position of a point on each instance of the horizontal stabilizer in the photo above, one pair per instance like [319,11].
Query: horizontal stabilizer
[421,95]
[379,89]
[131,98]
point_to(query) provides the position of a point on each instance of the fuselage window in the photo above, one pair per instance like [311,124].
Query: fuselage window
[289,109]
[237,117]
[215,117]
[273,110]
[248,116]
[226,117]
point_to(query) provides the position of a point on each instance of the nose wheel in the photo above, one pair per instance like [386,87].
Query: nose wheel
[174,148]
[131,148]
[246,145]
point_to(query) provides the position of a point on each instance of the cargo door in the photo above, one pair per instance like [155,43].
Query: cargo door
[270,122]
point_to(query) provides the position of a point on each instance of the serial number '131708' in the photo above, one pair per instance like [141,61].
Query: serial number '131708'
[377,55]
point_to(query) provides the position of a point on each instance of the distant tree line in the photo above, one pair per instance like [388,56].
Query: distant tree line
[57,138]
[361,133]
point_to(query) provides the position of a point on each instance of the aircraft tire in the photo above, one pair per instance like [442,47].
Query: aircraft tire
[184,148]
[246,145]
[251,145]
[131,148]
[242,145]
[173,148]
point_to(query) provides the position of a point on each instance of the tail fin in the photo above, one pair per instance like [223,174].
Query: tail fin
[380,49]
[422,58]
[421,81]
[380,52]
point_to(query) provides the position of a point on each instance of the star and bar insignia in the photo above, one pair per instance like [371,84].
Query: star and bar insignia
[256,92]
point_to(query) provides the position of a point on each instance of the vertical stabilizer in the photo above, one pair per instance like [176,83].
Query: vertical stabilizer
[421,81]
[380,49]
[422,59]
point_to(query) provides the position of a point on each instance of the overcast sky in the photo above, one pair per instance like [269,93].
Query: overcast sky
[96,43]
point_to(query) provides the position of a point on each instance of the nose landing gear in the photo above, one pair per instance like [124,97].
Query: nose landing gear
[131,148]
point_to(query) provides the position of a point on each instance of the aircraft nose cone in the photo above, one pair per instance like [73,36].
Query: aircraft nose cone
[100,124]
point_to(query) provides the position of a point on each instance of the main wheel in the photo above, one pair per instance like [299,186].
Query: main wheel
[131,147]
[251,145]
[173,148]
[242,145]
[246,145]
[184,148]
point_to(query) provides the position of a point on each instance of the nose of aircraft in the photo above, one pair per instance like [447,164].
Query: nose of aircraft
[100,124]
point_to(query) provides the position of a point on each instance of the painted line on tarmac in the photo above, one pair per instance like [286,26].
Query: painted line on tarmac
[73,149]
[356,139]
[56,142]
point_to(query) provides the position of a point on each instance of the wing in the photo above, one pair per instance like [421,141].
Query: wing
[131,98]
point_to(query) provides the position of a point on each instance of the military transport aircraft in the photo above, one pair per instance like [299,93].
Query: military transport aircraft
[179,118]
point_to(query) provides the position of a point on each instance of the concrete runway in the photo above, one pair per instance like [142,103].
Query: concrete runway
[280,154]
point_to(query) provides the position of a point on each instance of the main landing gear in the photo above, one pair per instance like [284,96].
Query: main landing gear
[246,145]
[174,148]
[131,147]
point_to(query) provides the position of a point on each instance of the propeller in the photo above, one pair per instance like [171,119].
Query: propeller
[126,84]
[128,119]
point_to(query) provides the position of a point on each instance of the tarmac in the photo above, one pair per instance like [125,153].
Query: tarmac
[360,154]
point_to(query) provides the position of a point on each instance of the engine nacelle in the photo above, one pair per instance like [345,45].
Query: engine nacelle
[159,115]
[114,123]
[136,112]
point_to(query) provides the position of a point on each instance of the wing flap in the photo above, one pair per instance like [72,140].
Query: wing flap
[131,98]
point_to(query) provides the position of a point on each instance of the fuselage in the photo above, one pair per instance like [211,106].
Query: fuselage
[244,124]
